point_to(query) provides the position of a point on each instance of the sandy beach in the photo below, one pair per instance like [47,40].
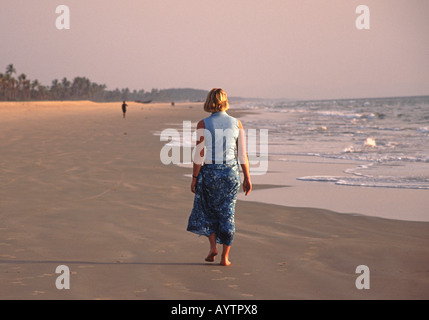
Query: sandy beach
[81,186]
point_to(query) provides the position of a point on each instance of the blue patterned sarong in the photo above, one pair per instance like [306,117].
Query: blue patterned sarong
[214,203]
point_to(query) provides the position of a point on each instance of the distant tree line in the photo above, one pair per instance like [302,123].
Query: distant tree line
[21,88]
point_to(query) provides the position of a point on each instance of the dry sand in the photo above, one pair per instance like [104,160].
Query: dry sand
[82,187]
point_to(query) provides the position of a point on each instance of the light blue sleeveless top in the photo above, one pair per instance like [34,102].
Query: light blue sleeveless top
[222,131]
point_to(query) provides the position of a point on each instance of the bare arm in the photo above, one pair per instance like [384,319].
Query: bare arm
[243,159]
[198,157]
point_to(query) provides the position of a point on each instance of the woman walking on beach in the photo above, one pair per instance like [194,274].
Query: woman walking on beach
[216,179]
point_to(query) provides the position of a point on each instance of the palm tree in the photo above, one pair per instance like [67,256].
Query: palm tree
[97,91]
[42,92]
[124,94]
[10,93]
[2,88]
[66,86]
[10,82]
[10,69]
[81,88]
[26,89]
[20,85]
[55,89]
[34,93]
[5,85]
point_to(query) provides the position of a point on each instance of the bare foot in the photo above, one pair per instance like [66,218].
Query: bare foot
[211,256]
[225,262]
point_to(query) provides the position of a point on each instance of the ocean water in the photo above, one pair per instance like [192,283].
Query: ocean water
[387,137]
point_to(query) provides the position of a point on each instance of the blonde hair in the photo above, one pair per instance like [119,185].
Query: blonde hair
[216,101]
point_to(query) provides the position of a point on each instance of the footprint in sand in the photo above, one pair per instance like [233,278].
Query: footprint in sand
[18,281]
[45,275]
[37,292]
[247,295]
[140,292]
[282,266]
[224,278]
[7,256]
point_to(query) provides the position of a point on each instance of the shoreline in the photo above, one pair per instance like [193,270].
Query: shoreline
[81,186]
[405,204]
[388,203]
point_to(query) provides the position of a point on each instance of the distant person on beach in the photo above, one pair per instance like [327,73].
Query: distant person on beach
[216,175]
[124,108]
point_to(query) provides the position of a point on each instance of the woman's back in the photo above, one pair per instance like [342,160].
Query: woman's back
[220,137]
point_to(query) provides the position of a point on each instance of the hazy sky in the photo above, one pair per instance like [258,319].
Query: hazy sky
[298,49]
